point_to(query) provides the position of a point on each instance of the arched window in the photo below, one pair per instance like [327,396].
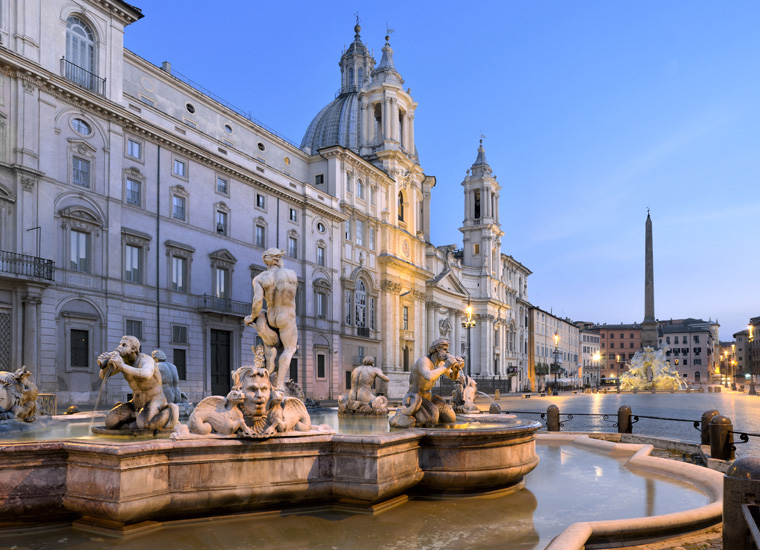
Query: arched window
[80,44]
[360,80]
[360,301]
[351,77]
[400,206]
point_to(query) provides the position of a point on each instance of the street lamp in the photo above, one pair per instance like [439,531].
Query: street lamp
[733,367]
[596,358]
[556,360]
[724,356]
[619,372]
[468,324]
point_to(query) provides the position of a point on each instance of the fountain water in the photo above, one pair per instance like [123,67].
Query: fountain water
[650,370]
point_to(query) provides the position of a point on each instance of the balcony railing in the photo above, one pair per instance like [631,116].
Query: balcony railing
[27,266]
[213,304]
[83,77]
[362,331]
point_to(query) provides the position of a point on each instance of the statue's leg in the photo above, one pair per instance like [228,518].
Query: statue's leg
[289,339]
[270,338]
[121,414]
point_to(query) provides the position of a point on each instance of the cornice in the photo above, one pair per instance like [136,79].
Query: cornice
[15,66]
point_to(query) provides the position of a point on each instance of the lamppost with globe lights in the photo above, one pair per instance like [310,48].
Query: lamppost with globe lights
[468,324]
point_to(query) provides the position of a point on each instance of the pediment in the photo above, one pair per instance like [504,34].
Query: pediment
[446,280]
[223,255]
[81,214]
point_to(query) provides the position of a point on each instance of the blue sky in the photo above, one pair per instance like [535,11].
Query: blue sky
[592,112]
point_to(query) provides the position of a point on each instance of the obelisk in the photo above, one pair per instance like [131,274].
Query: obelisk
[649,326]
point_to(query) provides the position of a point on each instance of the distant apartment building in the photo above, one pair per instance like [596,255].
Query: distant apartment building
[690,350]
[741,340]
[547,332]
[754,345]
[618,344]
[591,359]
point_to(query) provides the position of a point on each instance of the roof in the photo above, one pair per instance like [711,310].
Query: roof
[336,124]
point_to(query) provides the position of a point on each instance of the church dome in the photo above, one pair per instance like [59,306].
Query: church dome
[336,124]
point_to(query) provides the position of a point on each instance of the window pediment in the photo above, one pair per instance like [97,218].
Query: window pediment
[178,249]
[222,258]
[81,147]
[81,218]
[134,172]
[179,190]
[134,237]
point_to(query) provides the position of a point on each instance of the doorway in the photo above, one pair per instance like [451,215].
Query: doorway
[220,362]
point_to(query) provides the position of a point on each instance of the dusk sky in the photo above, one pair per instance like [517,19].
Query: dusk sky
[593,111]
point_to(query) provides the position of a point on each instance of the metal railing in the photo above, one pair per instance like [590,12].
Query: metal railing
[83,77]
[486,384]
[28,266]
[223,305]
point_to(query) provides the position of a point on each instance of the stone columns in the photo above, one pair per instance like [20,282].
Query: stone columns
[410,133]
[386,118]
[31,338]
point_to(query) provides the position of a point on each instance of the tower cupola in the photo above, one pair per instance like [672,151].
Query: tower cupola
[356,64]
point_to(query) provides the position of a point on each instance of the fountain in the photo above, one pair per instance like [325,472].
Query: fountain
[649,370]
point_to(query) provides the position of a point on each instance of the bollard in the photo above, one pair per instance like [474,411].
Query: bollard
[705,426]
[552,418]
[721,438]
[709,389]
[740,486]
[624,420]
[497,394]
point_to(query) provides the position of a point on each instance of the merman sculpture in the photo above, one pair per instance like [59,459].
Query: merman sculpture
[360,399]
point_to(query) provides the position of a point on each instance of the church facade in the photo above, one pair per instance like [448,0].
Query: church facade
[132,202]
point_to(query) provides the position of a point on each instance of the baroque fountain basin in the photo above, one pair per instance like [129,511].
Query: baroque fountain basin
[120,486]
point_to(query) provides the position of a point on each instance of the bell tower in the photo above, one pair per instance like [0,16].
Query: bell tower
[481,230]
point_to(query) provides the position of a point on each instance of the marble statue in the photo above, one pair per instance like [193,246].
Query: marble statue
[650,370]
[18,395]
[148,409]
[220,415]
[360,399]
[463,396]
[170,383]
[419,407]
[277,324]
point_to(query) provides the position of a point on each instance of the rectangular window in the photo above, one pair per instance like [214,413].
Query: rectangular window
[80,251]
[222,283]
[133,264]
[676,340]
[320,365]
[319,179]
[360,189]
[178,207]
[179,334]
[80,174]
[180,361]
[261,201]
[80,348]
[348,230]
[320,256]
[221,223]
[349,301]
[476,248]
[406,318]
[134,328]
[180,168]
[179,274]
[134,192]
[372,195]
[321,305]
[372,313]
[261,236]
[134,149]
[348,184]
[292,247]
[359,233]
[294,369]
[293,215]
[221,185]
[371,238]
[696,338]
[147,101]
